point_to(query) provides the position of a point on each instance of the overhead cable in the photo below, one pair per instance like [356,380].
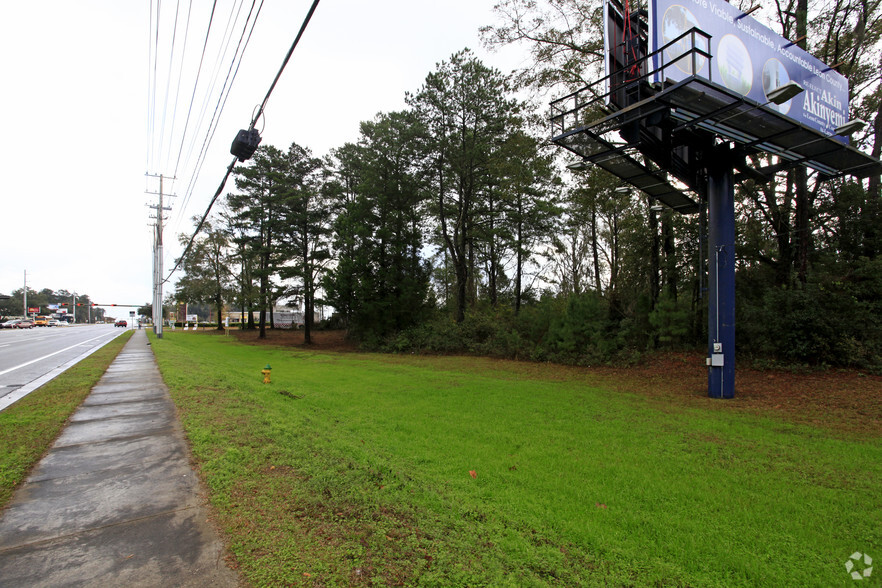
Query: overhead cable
[180,75]
[171,55]
[257,115]
[198,71]
[222,100]
[284,63]
[222,48]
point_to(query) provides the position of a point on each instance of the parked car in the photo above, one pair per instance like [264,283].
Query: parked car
[24,324]
[121,324]
[10,324]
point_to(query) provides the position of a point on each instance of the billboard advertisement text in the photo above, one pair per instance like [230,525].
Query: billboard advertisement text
[749,59]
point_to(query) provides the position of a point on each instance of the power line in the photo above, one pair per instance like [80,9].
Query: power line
[150,105]
[195,85]
[171,55]
[222,48]
[180,75]
[153,100]
[220,188]
[222,100]
[284,63]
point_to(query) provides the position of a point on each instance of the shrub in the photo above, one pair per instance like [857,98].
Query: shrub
[825,322]
[670,321]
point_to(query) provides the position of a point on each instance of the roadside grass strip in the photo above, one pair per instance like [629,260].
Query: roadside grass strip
[358,469]
[30,426]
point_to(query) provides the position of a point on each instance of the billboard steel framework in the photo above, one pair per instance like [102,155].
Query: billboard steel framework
[686,140]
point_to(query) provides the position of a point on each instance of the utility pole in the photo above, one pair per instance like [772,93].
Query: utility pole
[24,311]
[157,257]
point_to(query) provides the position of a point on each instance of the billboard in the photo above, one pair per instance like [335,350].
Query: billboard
[748,58]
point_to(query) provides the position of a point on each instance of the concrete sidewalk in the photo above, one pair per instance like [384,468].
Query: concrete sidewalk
[115,502]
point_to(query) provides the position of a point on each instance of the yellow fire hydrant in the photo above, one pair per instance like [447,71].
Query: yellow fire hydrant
[266,373]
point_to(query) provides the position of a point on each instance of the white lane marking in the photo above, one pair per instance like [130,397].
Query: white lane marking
[27,363]
[17,394]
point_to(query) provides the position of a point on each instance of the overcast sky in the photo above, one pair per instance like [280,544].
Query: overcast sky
[79,139]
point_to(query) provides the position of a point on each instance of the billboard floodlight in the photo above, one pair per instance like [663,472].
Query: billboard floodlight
[782,94]
[580,165]
[623,190]
[850,127]
[656,208]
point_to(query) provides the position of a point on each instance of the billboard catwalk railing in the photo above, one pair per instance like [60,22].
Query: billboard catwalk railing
[660,123]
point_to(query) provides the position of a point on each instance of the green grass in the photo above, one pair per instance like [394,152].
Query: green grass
[355,470]
[30,426]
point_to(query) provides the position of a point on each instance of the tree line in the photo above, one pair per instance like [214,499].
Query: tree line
[453,226]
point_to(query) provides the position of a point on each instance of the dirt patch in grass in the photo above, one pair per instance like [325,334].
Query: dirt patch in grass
[321,340]
[845,400]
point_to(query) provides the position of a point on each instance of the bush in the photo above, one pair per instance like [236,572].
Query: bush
[825,322]
[671,322]
[569,330]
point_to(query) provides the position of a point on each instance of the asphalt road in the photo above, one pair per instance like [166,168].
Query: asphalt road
[31,357]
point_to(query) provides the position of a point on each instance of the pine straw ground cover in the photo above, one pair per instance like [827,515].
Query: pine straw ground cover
[362,469]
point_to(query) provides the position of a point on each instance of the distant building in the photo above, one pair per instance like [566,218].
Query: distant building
[283,318]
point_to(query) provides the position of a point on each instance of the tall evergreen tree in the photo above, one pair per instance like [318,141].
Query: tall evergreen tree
[261,186]
[304,226]
[384,281]
[531,206]
[464,108]
[341,188]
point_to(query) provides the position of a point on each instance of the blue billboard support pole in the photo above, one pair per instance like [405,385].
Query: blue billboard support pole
[721,277]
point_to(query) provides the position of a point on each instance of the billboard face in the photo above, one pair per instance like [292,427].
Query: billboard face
[748,58]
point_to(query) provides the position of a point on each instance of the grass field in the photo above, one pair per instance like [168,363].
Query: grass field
[356,469]
[29,427]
